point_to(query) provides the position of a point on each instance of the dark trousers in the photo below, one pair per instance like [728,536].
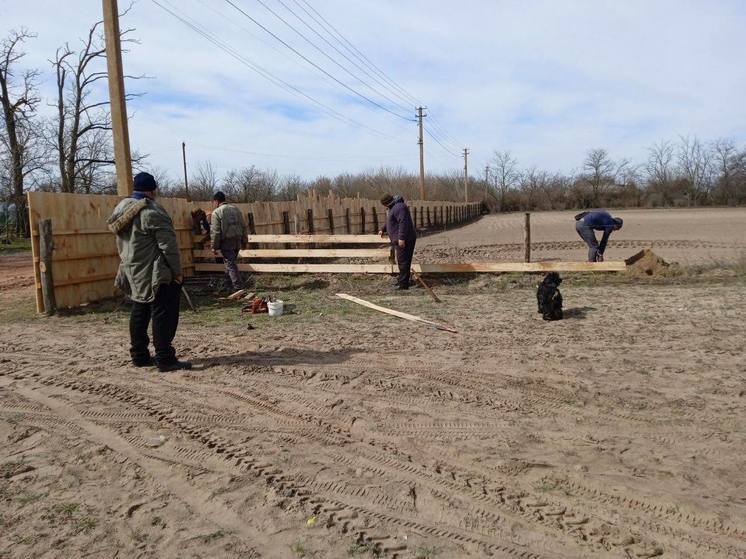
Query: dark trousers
[164,311]
[231,268]
[589,236]
[404,259]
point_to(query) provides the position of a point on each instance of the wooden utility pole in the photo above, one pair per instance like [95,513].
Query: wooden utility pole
[118,105]
[186,182]
[486,174]
[466,174]
[422,153]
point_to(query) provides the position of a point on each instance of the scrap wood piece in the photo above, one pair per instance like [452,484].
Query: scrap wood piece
[427,287]
[392,312]
[237,295]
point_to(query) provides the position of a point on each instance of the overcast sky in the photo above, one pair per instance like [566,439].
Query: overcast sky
[547,80]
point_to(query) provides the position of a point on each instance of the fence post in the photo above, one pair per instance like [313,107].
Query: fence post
[362,220]
[285,223]
[252,225]
[428,217]
[46,246]
[309,219]
[527,238]
[330,216]
[414,218]
[376,229]
[347,221]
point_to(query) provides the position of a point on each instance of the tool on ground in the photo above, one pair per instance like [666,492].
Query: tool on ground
[188,299]
[426,286]
[399,314]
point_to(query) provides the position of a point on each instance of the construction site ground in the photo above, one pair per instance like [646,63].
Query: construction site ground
[335,431]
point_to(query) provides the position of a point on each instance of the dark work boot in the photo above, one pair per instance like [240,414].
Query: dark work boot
[175,366]
[146,362]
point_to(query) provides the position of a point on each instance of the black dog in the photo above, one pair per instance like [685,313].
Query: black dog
[549,297]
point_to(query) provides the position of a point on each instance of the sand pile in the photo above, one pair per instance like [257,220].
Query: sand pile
[647,263]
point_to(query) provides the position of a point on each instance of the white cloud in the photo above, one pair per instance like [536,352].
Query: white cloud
[545,79]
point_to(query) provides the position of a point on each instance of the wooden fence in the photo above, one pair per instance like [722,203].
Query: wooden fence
[313,214]
[85,259]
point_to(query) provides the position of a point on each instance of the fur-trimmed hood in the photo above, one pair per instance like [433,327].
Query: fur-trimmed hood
[124,215]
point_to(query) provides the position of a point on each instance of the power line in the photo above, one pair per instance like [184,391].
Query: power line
[265,73]
[325,54]
[325,24]
[437,141]
[312,63]
[407,102]
[354,50]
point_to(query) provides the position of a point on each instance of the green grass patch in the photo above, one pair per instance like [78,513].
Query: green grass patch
[15,245]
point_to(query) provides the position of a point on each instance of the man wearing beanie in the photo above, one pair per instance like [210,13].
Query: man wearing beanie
[586,223]
[149,273]
[403,236]
[228,233]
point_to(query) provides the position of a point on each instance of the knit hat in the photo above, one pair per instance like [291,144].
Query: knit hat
[387,200]
[144,182]
[219,197]
[619,222]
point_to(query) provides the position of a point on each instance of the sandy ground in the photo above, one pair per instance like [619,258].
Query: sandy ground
[16,271]
[687,236]
[339,432]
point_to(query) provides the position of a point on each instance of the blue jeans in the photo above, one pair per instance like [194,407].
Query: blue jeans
[589,236]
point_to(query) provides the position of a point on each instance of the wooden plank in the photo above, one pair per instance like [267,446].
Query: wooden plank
[306,239]
[304,253]
[405,316]
[303,268]
[448,268]
[443,268]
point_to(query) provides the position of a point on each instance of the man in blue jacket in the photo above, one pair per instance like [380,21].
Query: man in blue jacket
[586,223]
[403,236]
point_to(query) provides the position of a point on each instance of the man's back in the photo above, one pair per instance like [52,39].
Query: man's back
[228,227]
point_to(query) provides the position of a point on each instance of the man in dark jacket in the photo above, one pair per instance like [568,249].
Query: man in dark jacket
[150,273]
[403,236]
[597,220]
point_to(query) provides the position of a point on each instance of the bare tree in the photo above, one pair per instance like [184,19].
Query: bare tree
[82,128]
[20,142]
[661,169]
[724,158]
[205,182]
[600,171]
[506,175]
[695,163]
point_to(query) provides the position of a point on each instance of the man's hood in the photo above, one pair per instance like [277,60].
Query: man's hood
[124,213]
[397,198]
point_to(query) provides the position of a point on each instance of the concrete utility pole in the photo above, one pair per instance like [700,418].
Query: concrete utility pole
[186,182]
[466,174]
[422,153]
[122,158]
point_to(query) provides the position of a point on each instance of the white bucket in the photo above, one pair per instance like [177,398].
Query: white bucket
[274,308]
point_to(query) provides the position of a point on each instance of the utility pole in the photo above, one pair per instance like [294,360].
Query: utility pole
[118,104]
[487,175]
[422,153]
[466,174]
[183,158]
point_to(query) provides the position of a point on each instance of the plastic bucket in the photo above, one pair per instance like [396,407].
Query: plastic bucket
[274,308]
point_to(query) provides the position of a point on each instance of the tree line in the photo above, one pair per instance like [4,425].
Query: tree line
[72,151]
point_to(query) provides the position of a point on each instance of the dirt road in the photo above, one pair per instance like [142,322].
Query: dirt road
[339,432]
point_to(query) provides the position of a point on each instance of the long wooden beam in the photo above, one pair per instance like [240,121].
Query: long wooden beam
[305,239]
[444,268]
[405,316]
[304,268]
[304,253]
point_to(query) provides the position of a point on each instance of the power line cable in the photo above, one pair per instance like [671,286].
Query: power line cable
[266,74]
[375,78]
[312,63]
[331,59]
